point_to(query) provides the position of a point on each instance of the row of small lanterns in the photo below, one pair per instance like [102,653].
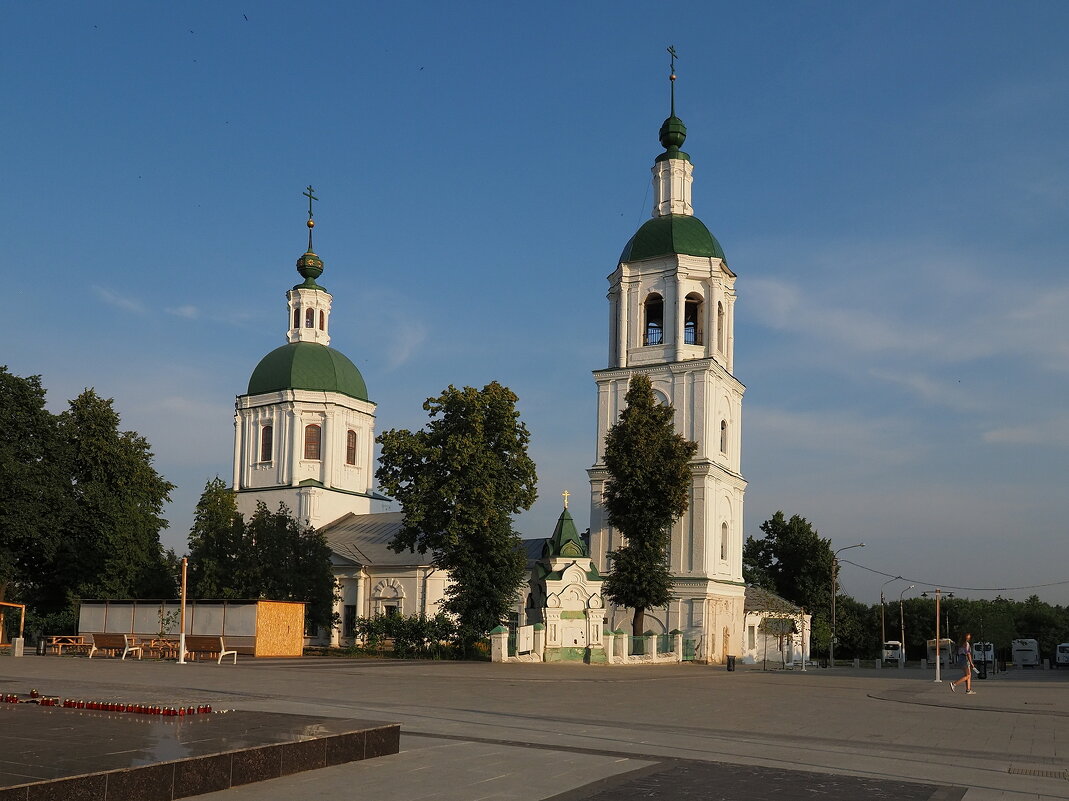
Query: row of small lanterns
[109,706]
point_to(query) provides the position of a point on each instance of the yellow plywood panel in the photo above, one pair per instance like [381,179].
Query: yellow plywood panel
[279,628]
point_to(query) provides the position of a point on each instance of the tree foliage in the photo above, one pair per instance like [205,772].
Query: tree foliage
[217,556]
[791,560]
[459,481]
[109,543]
[33,493]
[645,493]
[269,556]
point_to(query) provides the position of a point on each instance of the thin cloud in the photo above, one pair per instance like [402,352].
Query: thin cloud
[933,391]
[123,302]
[188,312]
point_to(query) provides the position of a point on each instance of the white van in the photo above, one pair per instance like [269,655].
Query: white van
[983,652]
[1025,653]
[1061,656]
[892,651]
[946,651]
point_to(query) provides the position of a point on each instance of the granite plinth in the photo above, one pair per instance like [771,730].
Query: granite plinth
[81,755]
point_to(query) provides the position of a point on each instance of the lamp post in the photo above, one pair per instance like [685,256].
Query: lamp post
[938,645]
[902,626]
[834,592]
[182,617]
[883,611]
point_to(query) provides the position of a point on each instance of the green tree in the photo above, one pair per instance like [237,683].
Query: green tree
[792,560]
[649,478]
[109,544]
[33,493]
[459,481]
[216,544]
[285,561]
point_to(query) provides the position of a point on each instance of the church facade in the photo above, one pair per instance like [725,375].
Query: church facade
[671,317]
[305,433]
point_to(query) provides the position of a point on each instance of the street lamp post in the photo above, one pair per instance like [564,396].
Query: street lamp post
[182,617]
[883,611]
[938,644]
[834,592]
[902,626]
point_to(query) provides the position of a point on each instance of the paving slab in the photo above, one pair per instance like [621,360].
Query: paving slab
[1009,742]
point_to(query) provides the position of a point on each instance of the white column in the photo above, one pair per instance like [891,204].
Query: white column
[679,305]
[238,465]
[622,332]
[327,449]
[295,432]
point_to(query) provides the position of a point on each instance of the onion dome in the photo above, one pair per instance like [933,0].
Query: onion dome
[310,366]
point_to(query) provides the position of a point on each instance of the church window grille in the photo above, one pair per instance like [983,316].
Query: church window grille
[751,637]
[350,621]
[267,443]
[296,318]
[350,447]
[723,436]
[313,440]
[720,327]
[391,610]
[322,320]
[723,542]
[692,319]
[654,331]
[309,318]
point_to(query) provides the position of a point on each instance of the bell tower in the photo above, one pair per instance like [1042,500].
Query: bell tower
[671,317]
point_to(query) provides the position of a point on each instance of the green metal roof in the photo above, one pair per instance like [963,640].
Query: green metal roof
[307,365]
[669,235]
[565,540]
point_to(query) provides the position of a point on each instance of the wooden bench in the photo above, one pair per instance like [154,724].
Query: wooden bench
[114,643]
[200,644]
[58,642]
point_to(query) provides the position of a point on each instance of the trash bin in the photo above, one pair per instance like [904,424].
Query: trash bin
[731,663]
[40,646]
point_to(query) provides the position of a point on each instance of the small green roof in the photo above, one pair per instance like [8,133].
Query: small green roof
[669,235]
[307,365]
[565,540]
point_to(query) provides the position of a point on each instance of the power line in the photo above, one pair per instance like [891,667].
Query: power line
[951,586]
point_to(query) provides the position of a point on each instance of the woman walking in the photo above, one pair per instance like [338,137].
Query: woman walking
[965,660]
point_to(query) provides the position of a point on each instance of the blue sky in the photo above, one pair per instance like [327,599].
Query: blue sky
[889,181]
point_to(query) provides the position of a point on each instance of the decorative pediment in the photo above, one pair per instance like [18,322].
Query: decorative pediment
[388,588]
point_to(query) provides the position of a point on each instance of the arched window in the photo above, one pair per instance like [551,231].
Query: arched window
[692,319]
[309,318]
[723,542]
[266,443]
[654,332]
[720,327]
[723,436]
[296,318]
[313,440]
[322,320]
[350,447]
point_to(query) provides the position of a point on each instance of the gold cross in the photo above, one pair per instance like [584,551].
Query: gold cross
[566,495]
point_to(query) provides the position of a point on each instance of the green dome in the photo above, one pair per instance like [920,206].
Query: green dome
[669,235]
[307,365]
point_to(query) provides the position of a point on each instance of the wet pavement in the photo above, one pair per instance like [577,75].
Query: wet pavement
[57,753]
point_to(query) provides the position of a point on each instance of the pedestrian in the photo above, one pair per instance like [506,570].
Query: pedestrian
[965,661]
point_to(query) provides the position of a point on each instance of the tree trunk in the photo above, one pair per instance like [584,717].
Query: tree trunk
[636,623]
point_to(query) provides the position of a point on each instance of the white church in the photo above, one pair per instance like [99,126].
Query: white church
[305,434]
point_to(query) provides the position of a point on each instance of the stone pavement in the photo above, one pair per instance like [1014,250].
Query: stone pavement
[529,731]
